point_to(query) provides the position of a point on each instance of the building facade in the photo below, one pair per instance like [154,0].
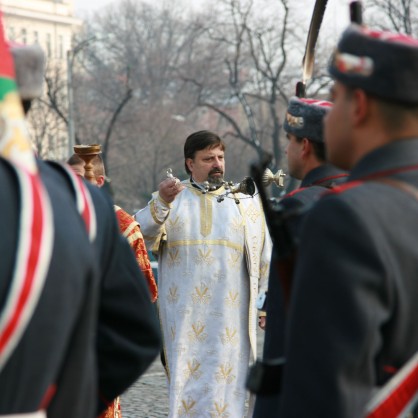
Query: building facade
[51,24]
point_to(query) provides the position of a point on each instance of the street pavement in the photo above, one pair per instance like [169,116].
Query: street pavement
[148,397]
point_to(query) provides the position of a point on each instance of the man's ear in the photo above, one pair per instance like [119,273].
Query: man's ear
[100,181]
[361,106]
[306,147]
[189,164]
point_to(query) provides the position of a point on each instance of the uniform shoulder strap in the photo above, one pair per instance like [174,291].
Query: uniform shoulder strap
[82,196]
[33,256]
[399,396]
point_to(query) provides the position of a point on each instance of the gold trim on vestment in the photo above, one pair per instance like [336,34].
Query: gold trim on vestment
[164,353]
[222,242]
[136,235]
[168,205]
[206,207]
[153,211]
[131,226]
[205,214]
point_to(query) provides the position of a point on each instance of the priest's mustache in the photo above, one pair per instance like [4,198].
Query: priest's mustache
[215,171]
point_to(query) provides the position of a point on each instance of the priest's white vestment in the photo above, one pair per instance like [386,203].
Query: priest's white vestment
[213,259]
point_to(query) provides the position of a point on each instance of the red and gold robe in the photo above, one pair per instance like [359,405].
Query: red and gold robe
[130,229]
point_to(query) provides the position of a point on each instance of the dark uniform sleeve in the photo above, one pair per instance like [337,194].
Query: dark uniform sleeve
[128,337]
[337,306]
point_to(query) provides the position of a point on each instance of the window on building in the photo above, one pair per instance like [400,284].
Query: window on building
[12,34]
[36,37]
[48,45]
[24,36]
[60,47]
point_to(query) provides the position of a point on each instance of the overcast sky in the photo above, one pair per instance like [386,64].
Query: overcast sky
[82,6]
[90,5]
[336,15]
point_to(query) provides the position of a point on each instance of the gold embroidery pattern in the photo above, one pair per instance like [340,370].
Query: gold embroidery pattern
[220,411]
[255,255]
[197,333]
[201,295]
[224,373]
[173,296]
[252,213]
[237,224]
[187,408]
[193,370]
[205,257]
[232,299]
[173,258]
[234,260]
[175,224]
[230,336]
[264,269]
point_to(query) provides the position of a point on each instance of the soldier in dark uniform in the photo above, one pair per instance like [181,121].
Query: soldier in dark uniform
[306,152]
[128,334]
[59,341]
[94,310]
[352,320]
[306,161]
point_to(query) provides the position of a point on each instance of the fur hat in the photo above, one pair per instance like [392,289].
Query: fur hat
[304,118]
[381,63]
[29,62]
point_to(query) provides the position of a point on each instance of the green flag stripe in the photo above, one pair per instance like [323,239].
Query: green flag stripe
[7,85]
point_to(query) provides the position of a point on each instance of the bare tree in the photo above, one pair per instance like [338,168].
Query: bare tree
[152,75]
[240,71]
[47,117]
[133,65]
[396,15]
